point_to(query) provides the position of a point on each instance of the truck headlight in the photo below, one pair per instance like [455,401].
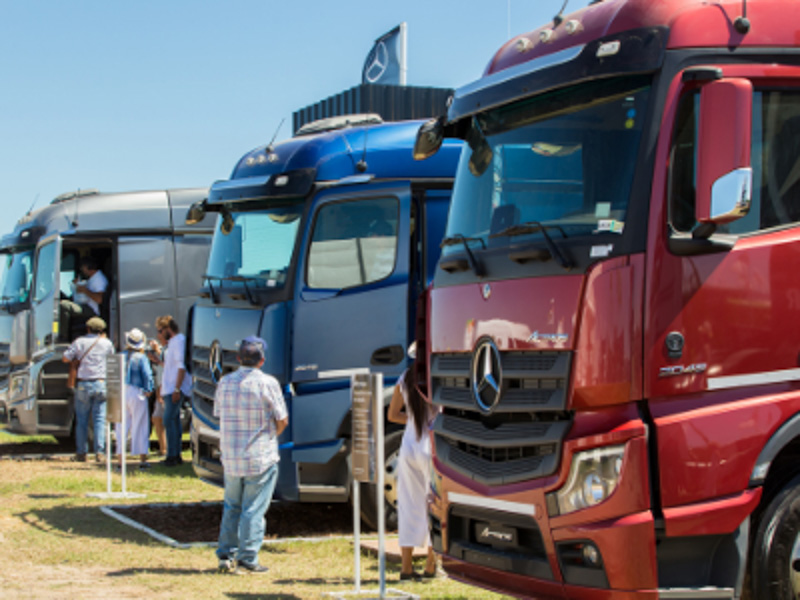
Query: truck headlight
[593,477]
[18,387]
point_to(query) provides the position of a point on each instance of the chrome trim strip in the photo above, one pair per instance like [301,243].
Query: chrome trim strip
[763,378]
[529,510]
[337,373]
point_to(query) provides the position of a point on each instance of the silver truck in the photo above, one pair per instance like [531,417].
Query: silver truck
[153,262]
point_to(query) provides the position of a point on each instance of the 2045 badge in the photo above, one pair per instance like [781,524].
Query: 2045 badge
[677,370]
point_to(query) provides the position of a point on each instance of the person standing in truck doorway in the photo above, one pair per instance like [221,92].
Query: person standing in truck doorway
[252,414]
[87,298]
[409,408]
[90,351]
[176,384]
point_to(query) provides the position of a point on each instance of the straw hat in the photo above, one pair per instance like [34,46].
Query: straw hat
[135,339]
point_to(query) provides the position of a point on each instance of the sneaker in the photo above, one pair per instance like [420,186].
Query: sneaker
[226,565]
[99,458]
[255,569]
[143,466]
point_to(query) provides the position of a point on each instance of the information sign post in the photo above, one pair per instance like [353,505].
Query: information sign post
[367,465]
[115,413]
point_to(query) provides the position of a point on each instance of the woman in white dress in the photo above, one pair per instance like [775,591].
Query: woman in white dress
[409,408]
[138,384]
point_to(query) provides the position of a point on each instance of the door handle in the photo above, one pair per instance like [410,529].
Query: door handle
[388,355]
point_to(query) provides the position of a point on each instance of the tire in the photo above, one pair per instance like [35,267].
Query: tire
[775,561]
[369,492]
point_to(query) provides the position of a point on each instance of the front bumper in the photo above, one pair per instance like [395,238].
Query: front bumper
[507,539]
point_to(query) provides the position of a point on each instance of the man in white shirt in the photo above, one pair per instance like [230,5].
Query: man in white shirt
[176,384]
[87,298]
[90,351]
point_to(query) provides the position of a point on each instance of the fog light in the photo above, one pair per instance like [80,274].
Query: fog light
[591,555]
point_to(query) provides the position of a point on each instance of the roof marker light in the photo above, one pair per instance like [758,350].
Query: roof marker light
[523,44]
[573,26]
[546,35]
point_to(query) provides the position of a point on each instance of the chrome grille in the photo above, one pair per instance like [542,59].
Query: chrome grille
[522,436]
[204,386]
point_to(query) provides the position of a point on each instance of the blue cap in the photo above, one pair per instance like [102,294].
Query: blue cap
[252,350]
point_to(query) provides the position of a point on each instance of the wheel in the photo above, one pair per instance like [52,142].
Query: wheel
[369,492]
[776,548]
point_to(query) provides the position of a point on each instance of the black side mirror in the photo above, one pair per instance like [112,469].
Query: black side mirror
[429,138]
[196,212]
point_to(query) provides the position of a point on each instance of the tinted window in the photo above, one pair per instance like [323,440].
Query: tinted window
[354,243]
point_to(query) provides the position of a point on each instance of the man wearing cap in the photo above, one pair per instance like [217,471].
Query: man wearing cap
[90,351]
[252,414]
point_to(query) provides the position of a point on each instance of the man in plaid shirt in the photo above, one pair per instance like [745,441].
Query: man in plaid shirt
[252,414]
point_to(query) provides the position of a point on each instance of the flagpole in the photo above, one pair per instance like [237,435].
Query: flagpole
[403,53]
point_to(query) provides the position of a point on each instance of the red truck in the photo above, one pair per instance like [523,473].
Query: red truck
[613,331]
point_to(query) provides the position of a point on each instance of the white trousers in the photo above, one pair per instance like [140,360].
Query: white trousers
[137,422]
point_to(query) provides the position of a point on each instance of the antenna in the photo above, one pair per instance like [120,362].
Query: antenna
[742,24]
[269,148]
[558,18]
[35,200]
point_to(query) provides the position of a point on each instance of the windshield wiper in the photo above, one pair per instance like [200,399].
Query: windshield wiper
[208,278]
[452,240]
[244,281]
[537,227]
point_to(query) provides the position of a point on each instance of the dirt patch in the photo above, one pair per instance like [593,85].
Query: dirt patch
[199,522]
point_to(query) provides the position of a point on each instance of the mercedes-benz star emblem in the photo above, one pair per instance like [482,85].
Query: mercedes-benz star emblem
[215,361]
[487,375]
[377,61]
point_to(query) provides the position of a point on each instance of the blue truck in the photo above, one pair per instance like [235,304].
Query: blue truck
[324,243]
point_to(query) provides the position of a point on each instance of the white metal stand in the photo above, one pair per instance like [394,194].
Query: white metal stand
[109,459]
[382,591]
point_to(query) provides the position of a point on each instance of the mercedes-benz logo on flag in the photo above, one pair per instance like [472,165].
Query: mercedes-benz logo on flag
[215,361]
[487,375]
[376,63]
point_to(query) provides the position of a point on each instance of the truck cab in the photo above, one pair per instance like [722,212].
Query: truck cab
[324,243]
[150,258]
[613,345]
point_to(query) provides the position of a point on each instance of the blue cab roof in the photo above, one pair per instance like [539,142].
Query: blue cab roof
[335,155]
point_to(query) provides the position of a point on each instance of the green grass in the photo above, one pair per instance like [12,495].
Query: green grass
[62,546]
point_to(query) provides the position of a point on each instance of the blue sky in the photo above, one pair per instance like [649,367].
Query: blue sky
[150,94]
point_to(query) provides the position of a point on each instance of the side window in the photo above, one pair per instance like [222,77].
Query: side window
[353,243]
[45,271]
[775,159]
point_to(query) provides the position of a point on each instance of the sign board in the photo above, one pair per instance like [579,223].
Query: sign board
[115,387]
[365,391]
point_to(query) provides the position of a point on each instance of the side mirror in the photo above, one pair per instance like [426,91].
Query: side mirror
[226,227]
[429,138]
[196,213]
[724,173]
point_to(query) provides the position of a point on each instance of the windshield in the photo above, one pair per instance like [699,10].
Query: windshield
[563,162]
[258,247]
[17,273]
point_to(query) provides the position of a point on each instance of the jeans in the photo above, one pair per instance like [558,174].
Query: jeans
[90,403]
[243,524]
[172,426]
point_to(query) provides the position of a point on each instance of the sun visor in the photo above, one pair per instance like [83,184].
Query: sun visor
[291,184]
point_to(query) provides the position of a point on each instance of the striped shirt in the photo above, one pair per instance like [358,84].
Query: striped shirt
[248,403]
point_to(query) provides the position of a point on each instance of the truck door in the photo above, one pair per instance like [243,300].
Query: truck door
[722,322]
[46,295]
[351,306]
